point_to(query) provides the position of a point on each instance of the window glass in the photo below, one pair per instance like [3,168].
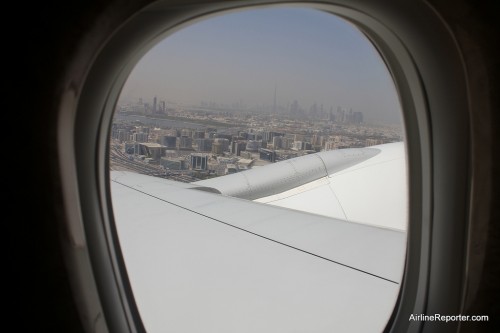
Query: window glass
[293,110]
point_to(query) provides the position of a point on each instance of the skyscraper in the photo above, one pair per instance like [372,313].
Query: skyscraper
[204,144]
[294,109]
[185,142]
[274,104]
[358,117]
[199,161]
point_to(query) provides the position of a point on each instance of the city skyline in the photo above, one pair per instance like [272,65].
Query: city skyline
[268,58]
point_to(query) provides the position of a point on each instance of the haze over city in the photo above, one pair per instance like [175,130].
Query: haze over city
[242,59]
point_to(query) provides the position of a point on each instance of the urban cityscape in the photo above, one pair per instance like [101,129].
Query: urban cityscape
[191,143]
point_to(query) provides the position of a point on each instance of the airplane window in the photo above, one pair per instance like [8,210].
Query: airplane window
[258,177]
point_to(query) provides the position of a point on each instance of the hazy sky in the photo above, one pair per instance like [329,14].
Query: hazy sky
[311,56]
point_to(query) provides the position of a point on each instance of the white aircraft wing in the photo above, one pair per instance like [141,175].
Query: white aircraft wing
[200,261]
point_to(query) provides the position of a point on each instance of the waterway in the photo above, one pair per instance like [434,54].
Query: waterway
[159,122]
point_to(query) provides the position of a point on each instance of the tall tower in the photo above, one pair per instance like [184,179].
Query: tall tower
[274,104]
[154,104]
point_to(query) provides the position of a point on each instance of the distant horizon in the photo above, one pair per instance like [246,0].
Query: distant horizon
[238,59]
[134,102]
